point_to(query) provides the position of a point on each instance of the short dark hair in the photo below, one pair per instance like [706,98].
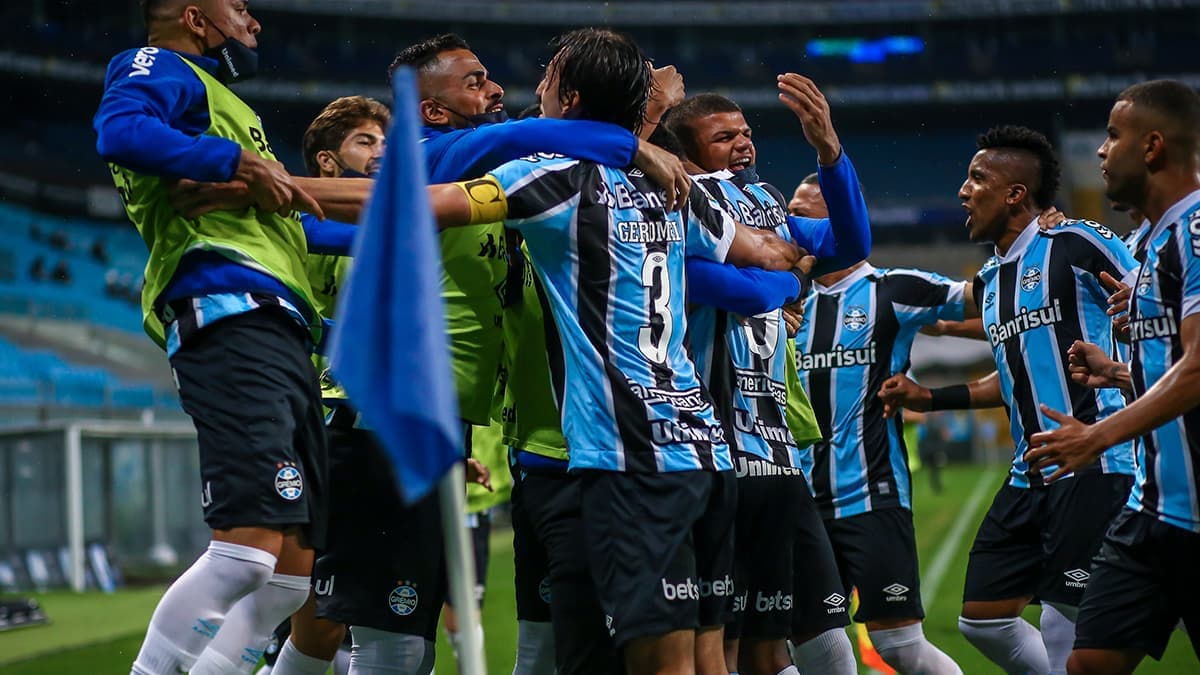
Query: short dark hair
[152,10]
[1174,100]
[681,118]
[667,140]
[423,56]
[1024,139]
[811,179]
[330,128]
[609,73]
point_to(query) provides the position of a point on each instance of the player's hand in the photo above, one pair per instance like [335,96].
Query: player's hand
[793,316]
[1090,366]
[666,171]
[1071,446]
[478,473]
[1118,304]
[272,188]
[805,266]
[194,199]
[898,391]
[772,252]
[666,92]
[1051,218]
[803,98]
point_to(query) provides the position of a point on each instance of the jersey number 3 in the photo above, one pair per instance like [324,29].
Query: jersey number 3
[654,337]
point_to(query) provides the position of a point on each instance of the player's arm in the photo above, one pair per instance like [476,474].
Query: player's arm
[743,290]
[1074,445]
[340,198]
[327,237]
[666,92]
[898,391]
[137,127]
[714,235]
[968,328]
[471,202]
[1091,367]
[845,237]
[491,145]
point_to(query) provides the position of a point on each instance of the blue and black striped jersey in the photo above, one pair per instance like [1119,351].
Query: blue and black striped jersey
[1167,290]
[855,334]
[1036,300]
[612,264]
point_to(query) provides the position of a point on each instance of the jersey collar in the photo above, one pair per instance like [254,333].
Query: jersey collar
[1021,242]
[1175,213]
[842,284]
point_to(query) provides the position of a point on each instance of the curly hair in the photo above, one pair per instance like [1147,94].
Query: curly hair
[330,128]
[1023,139]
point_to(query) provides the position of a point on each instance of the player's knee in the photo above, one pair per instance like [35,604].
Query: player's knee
[983,631]
[319,638]
[241,569]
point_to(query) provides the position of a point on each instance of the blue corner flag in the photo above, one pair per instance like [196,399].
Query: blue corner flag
[389,346]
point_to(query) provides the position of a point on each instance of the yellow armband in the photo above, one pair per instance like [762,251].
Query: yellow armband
[486,196]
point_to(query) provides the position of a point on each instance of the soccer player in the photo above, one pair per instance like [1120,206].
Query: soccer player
[640,427]
[1140,581]
[858,328]
[742,360]
[218,288]
[1039,294]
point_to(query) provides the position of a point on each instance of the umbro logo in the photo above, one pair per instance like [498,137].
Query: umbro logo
[836,602]
[1077,578]
[895,593]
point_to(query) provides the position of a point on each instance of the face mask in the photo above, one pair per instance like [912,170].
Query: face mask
[235,61]
[746,176]
[347,172]
[497,117]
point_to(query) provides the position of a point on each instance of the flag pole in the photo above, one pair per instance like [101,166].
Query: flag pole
[460,570]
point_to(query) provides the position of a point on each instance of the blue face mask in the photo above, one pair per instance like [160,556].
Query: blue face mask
[746,176]
[235,61]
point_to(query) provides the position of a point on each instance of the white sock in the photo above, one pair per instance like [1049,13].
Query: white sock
[341,661]
[830,652]
[292,661]
[249,625]
[379,652]
[1058,634]
[194,607]
[906,649]
[535,648]
[1012,643]
[790,670]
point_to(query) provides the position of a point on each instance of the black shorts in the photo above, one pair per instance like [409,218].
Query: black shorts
[821,601]
[1143,583]
[1040,541]
[530,568]
[252,392]
[767,513]
[660,549]
[876,553]
[582,639]
[385,565]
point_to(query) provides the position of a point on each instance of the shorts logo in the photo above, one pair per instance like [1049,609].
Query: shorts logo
[206,495]
[836,602]
[1031,278]
[855,318]
[323,586]
[772,603]
[686,590]
[895,593]
[403,599]
[717,587]
[739,602]
[544,590]
[288,482]
[1077,578]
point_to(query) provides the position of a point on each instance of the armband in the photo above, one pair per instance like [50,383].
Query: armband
[486,196]
[954,397]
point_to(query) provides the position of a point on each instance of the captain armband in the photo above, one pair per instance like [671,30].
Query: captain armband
[486,196]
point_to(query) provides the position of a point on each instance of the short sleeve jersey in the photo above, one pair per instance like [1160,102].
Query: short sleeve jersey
[612,264]
[1036,300]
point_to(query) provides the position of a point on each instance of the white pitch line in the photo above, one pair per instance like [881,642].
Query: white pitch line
[931,581]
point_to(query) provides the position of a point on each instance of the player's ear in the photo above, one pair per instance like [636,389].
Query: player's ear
[1016,192]
[432,113]
[327,163]
[194,21]
[1156,149]
[569,102]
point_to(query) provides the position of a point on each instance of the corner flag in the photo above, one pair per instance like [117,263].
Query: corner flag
[389,346]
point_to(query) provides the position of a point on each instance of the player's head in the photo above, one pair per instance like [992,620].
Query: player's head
[1013,176]
[347,138]
[596,74]
[714,132]
[453,85]
[1153,127]
[807,201]
[222,29]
